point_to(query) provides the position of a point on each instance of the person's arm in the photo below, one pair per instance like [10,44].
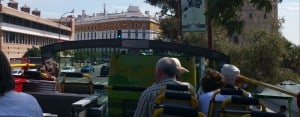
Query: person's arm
[143,108]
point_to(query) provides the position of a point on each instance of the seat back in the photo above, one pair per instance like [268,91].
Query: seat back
[63,104]
[177,98]
[225,112]
[263,114]
[36,82]
[215,106]
[177,87]
[77,87]
[177,111]
[39,86]
[35,75]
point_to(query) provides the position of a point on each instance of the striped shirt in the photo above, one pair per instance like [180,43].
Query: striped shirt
[145,107]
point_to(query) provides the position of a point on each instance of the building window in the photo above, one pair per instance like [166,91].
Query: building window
[265,16]
[110,34]
[128,25]
[106,34]
[11,37]
[143,25]
[250,16]
[115,33]
[129,34]
[144,34]
[136,34]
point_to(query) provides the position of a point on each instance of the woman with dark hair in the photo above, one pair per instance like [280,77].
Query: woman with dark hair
[12,103]
[212,81]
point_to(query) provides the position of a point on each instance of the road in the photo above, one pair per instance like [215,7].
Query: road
[97,80]
[95,76]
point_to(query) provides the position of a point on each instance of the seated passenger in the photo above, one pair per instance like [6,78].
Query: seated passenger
[212,81]
[12,103]
[165,73]
[42,69]
[230,73]
[51,70]
[180,70]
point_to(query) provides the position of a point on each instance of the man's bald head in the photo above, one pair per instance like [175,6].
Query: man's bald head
[166,66]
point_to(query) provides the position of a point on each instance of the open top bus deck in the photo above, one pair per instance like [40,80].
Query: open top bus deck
[131,71]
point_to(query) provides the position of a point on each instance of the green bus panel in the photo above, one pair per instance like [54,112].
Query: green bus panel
[138,71]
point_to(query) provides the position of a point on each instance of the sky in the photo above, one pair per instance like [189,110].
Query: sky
[288,9]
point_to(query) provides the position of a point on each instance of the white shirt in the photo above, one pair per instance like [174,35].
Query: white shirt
[205,98]
[19,104]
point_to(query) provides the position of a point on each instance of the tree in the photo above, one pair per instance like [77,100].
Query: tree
[224,13]
[169,28]
[261,58]
[32,52]
[292,58]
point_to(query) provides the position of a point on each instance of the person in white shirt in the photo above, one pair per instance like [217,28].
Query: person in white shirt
[12,103]
[212,81]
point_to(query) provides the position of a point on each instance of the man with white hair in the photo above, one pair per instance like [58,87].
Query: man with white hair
[165,72]
[230,73]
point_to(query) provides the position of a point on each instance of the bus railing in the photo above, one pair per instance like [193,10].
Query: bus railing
[255,82]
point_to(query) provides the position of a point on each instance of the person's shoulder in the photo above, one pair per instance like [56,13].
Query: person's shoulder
[25,95]
[152,89]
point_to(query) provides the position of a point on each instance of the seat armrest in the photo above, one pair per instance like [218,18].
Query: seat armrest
[84,104]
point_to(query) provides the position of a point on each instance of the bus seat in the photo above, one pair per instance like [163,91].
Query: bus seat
[35,75]
[77,87]
[64,104]
[177,98]
[39,86]
[215,106]
[226,112]
[36,83]
[177,111]
[263,114]
[177,87]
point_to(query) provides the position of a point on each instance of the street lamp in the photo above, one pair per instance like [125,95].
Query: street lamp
[59,32]
[60,23]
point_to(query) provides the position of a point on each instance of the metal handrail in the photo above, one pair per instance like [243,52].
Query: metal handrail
[244,78]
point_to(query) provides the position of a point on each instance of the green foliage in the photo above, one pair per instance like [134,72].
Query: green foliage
[224,13]
[80,55]
[261,57]
[292,58]
[33,52]
[66,52]
[196,39]
[169,27]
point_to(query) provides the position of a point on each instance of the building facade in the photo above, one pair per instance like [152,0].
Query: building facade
[132,24]
[256,20]
[20,30]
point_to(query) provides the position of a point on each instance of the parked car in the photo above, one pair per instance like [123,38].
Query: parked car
[104,71]
[17,72]
[67,69]
[87,68]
